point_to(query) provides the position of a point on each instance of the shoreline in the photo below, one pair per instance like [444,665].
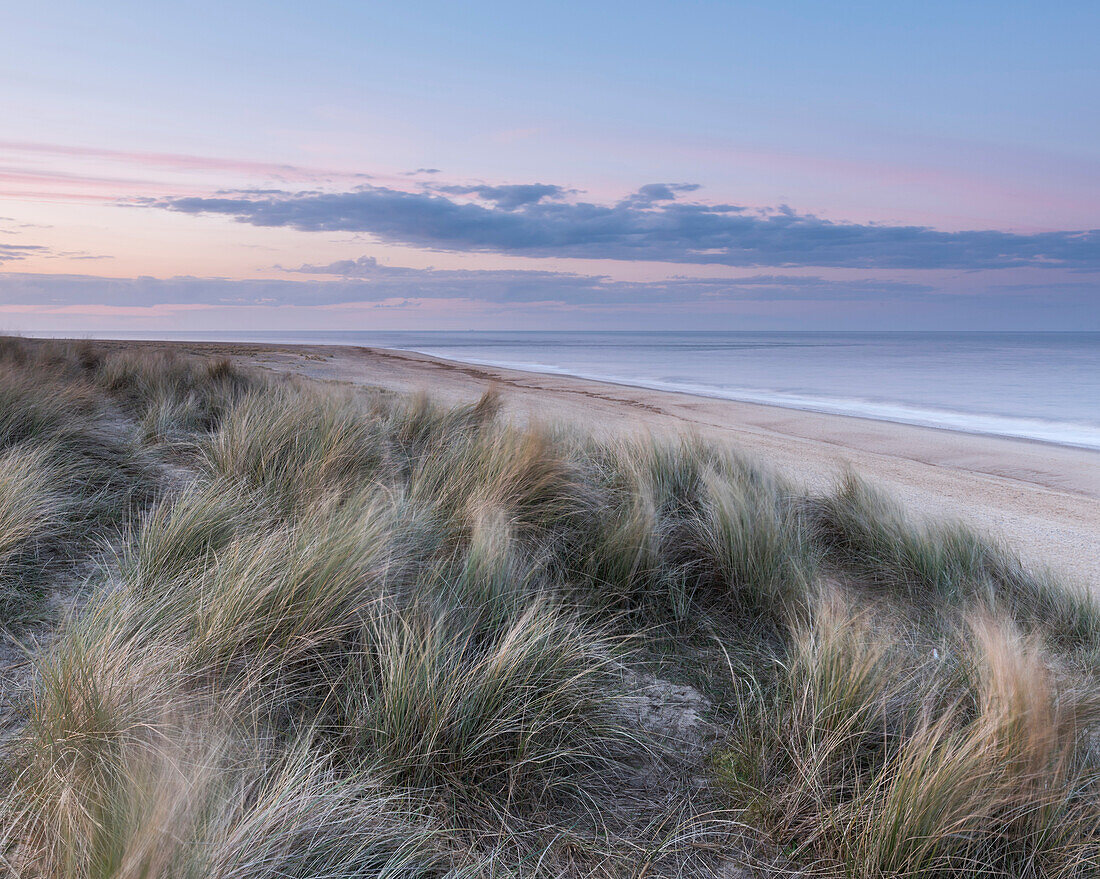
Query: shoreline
[1054,427]
[1041,498]
[1083,433]
[809,404]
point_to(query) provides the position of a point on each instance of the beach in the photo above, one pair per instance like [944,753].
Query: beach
[1042,499]
[482,619]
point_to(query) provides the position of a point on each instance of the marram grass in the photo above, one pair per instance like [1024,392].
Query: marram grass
[351,635]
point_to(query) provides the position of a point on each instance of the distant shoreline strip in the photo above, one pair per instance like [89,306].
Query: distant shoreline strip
[1072,434]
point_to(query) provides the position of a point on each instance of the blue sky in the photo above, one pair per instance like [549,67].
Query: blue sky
[567,165]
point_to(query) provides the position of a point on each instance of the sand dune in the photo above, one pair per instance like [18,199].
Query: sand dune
[1041,498]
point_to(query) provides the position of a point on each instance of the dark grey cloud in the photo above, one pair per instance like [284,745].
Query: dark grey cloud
[654,192]
[12,252]
[508,197]
[363,267]
[652,224]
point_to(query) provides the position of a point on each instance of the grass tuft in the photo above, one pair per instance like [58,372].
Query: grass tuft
[874,758]
[294,447]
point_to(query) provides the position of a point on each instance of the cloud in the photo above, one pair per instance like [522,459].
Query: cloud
[12,225]
[654,192]
[363,267]
[366,280]
[528,298]
[178,161]
[508,198]
[30,170]
[519,284]
[12,252]
[652,224]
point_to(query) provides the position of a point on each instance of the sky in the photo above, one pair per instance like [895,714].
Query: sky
[563,165]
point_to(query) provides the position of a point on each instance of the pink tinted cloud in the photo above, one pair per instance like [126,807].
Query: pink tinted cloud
[32,170]
[57,196]
[96,310]
[180,161]
[14,183]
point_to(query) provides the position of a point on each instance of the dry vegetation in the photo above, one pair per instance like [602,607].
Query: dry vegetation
[351,635]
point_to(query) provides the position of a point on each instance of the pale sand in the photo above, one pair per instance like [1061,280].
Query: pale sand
[1044,500]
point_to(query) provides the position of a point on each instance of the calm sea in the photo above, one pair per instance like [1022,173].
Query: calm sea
[1042,386]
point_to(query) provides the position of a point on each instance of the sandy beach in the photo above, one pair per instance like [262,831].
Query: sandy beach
[1042,499]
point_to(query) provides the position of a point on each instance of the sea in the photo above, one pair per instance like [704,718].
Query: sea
[1038,386]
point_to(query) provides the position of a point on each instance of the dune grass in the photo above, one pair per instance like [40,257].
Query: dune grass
[35,512]
[942,563]
[294,447]
[685,526]
[170,396]
[185,798]
[65,476]
[874,754]
[380,637]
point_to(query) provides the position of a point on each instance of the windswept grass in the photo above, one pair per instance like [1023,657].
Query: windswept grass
[483,681]
[64,475]
[874,754]
[171,396]
[684,527]
[358,636]
[177,800]
[420,426]
[295,447]
[36,512]
[465,671]
[37,408]
[868,534]
[522,475]
[524,710]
